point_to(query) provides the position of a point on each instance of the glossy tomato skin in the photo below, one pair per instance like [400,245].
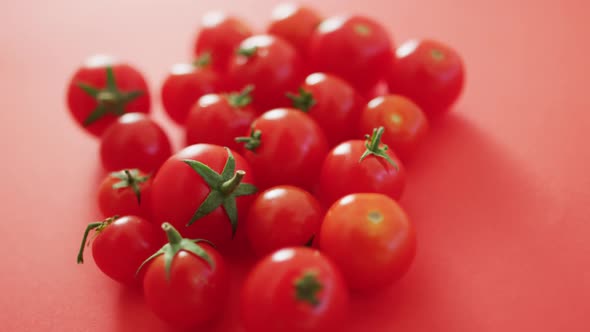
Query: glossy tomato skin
[343,174]
[381,234]
[184,85]
[134,141]
[178,191]
[283,216]
[356,48]
[337,106]
[269,301]
[123,201]
[292,148]
[271,65]
[404,122]
[220,34]
[93,73]
[214,120]
[120,248]
[428,72]
[195,292]
[294,23]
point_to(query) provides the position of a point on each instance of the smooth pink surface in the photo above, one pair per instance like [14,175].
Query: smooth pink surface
[500,192]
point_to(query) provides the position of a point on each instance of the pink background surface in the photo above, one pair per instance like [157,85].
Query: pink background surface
[500,193]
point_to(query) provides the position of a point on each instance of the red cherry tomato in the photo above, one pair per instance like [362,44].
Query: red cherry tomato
[283,216]
[428,72]
[357,166]
[125,192]
[405,124]
[219,36]
[185,84]
[269,63]
[202,191]
[121,245]
[295,23]
[294,290]
[355,48]
[285,146]
[219,118]
[186,282]
[134,141]
[333,103]
[104,89]
[370,239]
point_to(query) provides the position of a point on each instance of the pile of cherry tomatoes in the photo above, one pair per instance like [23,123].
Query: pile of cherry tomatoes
[295,139]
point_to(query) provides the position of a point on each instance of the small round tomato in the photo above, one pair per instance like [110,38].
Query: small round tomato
[358,166]
[333,103]
[220,34]
[405,124]
[269,63]
[185,84]
[294,290]
[186,282]
[104,89]
[370,239]
[126,192]
[283,216]
[295,23]
[428,72]
[134,141]
[219,118]
[120,246]
[355,48]
[202,190]
[285,146]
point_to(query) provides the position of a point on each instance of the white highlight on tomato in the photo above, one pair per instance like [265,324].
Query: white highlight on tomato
[315,78]
[376,102]
[100,60]
[346,200]
[406,48]
[283,255]
[275,193]
[257,41]
[341,149]
[212,18]
[331,24]
[131,117]
[182,68]
[209,99]
[283,11]
[275,114]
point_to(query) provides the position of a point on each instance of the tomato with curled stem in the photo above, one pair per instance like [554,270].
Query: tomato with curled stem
[384,240]
[103,89]
[295,23]
[294,290]
[120,245]
[358,166]
[134,141]
[125,192]
[186,282]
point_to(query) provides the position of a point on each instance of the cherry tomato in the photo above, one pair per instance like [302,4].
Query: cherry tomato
[428,72]
[358,166]
[126,192]
[370,239]
[120,246]
[333,103]
[186,282]
[104,89]
[134,141]
[285,146]
[283,216]
[219,36]
[202,190]
[219,118]
[269,63]
[185,84]
[294,290]
[295,23]
[405,124]
[355,48]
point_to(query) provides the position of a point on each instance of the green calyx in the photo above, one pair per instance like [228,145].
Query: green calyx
[175,244]
[110,100]
[307,287]
[98,227]
[437,55]
[374,147]
[247,51]
[202,60]
[252,142]
[362,29]
[225,188]
[303,101]
[130,178]
[242,98]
